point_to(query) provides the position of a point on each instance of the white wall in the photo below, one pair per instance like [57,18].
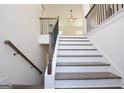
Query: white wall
[109,37]
[43,39]
[86,8]
[20,24]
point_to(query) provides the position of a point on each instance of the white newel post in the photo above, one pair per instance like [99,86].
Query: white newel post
[86,8]
[49,81]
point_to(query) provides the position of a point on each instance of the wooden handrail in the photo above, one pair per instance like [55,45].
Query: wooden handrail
[90,10]
[21,54]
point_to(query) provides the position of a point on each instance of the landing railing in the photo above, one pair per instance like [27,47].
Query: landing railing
[50,26]
[21,54]
[100,13]
[44,24]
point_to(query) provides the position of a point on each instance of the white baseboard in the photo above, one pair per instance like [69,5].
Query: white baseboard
[5,81]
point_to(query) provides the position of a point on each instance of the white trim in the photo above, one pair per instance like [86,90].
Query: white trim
[49,81]
[5,81]
[55,56]
[108,21]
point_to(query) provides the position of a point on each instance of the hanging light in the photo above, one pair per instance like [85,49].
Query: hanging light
[71,18]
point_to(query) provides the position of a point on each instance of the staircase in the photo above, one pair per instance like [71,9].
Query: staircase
[80,65]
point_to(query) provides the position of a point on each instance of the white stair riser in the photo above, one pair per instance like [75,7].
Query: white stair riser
[72,39]
[73,69]
[76,47]
[74,42]
[73,36]
[80,59]
[78,52]
[86,83]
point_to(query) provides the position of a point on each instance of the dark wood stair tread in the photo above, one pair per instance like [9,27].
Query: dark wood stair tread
[116,87]
[74,40]
[77,44]
[80,55]
[82,64]
[86,76]
[72,37]
[27,86]
[77,49]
